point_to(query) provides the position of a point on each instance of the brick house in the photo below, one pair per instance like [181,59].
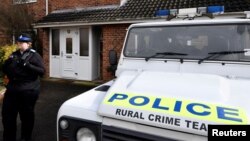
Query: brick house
[77,35]
[3,38]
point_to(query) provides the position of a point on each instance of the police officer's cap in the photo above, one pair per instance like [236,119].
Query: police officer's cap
[24,38]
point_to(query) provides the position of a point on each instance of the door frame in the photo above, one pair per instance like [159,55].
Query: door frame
[87,67]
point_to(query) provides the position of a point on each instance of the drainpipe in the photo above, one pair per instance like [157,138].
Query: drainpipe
[47,7]
[13,38]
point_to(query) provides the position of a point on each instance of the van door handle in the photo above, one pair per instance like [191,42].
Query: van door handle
[61,53]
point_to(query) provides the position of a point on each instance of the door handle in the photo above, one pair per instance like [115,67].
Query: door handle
[61,53]
[76,53]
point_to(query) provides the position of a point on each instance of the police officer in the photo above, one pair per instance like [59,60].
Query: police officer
[23,69]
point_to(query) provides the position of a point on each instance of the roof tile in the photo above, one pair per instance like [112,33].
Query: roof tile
[137,9]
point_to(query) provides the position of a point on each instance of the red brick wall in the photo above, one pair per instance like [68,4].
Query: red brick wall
[43,35]
[36,8]
[113,38]
[39,8]
[59,4]
[3,39]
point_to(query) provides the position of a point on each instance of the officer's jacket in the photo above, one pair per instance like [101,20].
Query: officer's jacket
[24,69]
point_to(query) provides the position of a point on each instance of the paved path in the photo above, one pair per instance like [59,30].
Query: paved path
[53,94]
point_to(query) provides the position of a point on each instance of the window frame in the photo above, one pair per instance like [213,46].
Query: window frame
[57,42]
[23,1]
[87,43]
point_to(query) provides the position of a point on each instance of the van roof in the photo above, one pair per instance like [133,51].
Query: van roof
[191,22]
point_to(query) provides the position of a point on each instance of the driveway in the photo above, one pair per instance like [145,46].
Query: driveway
[53,94]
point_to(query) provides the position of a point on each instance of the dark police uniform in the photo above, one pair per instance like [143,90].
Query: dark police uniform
[23,71]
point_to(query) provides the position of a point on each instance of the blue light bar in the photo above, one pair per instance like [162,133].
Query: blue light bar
[215,9]
[162,13]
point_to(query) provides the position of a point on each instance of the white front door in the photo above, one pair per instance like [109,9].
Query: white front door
[75,53]
[69,52]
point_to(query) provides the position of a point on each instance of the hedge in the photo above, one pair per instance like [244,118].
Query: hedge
[5,52]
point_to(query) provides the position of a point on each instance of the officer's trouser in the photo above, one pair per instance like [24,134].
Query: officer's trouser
[21,102]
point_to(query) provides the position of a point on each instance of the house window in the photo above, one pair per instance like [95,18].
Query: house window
[84,42]
[55,42]
[69,45]
[23,1]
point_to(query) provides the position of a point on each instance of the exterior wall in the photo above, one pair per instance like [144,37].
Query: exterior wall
[3,39]
[113,35]
[58,4]
[113,38]
[43,35]
[38,9]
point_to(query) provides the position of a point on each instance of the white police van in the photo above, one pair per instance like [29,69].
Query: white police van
[174,78]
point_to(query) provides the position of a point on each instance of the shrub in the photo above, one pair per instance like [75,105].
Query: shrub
[5,52]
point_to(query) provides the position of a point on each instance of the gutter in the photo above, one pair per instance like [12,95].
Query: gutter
[81,23]
[244,15]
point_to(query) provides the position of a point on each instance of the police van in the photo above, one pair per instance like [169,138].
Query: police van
[173,79]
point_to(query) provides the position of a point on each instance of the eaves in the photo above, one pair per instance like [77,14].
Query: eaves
[84,23]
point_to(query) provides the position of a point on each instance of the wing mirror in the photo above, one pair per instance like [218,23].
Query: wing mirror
[112,61]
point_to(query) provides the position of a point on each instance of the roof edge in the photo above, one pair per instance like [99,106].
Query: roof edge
[124,21]
[78,9]
[80,23]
